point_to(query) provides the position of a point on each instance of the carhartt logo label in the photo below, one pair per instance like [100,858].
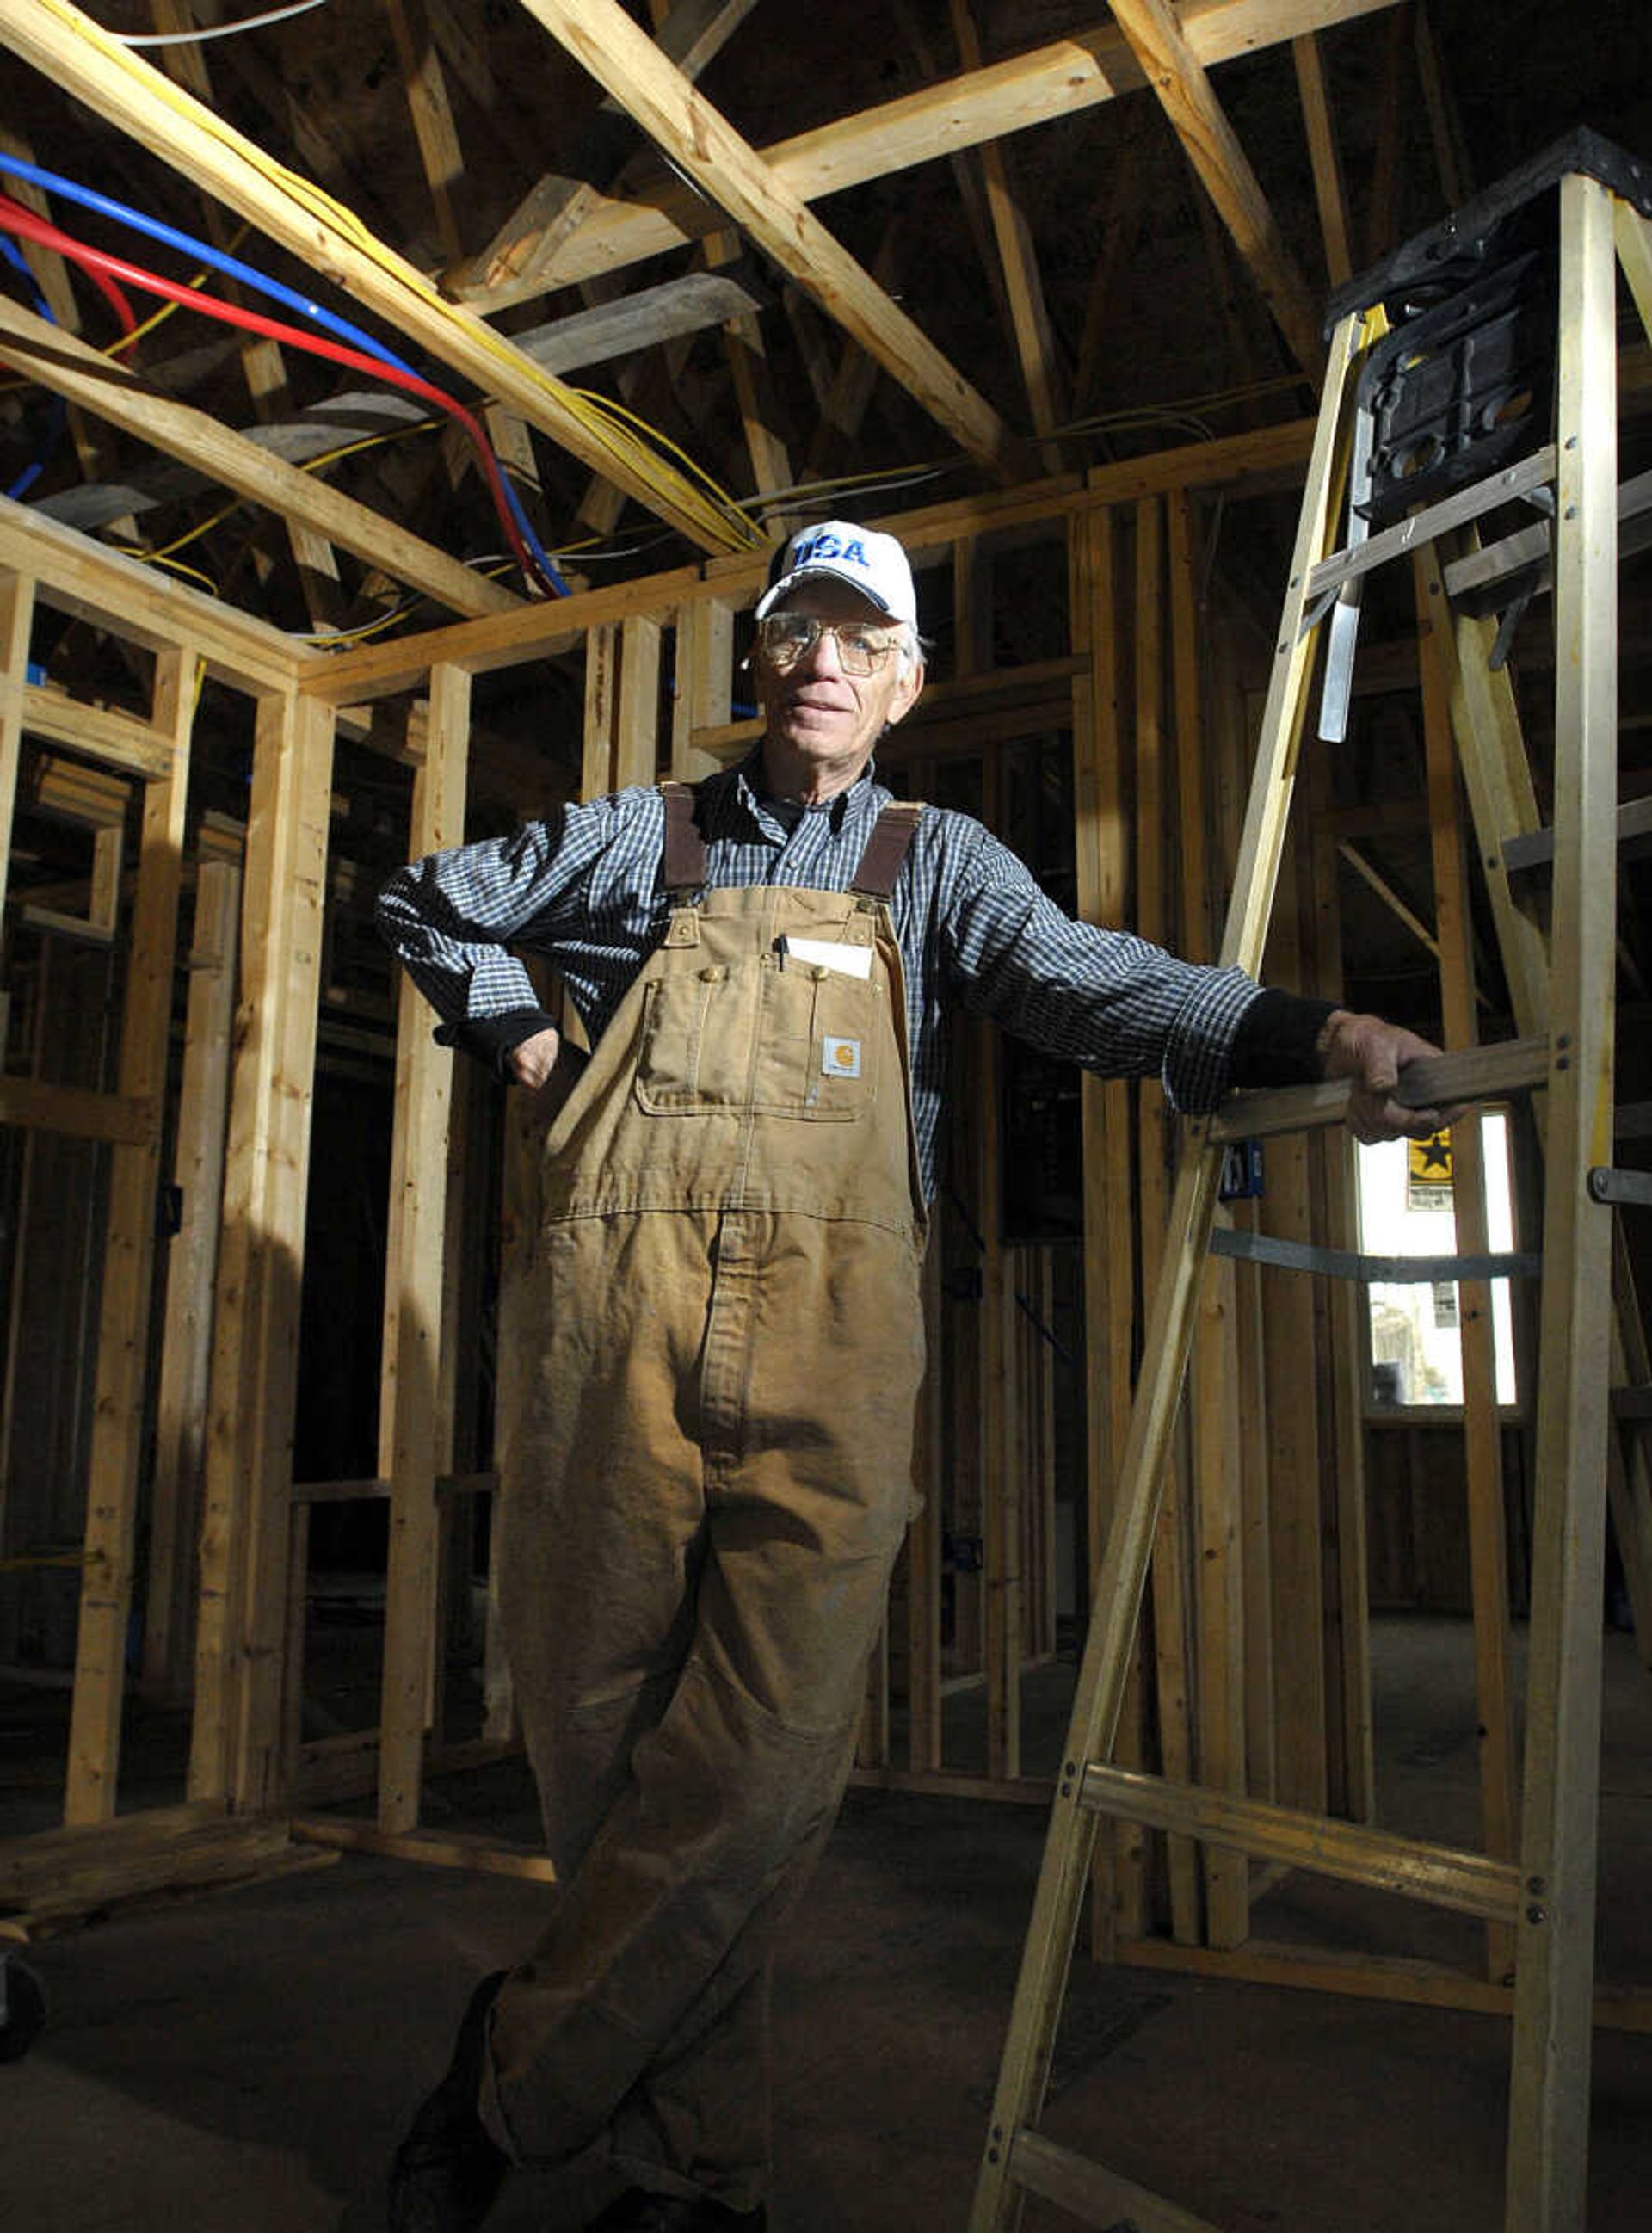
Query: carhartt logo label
[840,1059]
[830,546]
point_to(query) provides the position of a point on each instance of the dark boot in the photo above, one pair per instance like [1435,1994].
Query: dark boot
[446,2174]
[637,2211]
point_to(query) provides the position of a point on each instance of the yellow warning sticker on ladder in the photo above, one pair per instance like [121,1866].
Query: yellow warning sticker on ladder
[1428,1172]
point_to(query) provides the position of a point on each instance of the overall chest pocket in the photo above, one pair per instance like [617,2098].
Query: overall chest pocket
[785,1041]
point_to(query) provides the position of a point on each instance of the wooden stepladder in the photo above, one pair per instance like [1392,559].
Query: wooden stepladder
[1554,236]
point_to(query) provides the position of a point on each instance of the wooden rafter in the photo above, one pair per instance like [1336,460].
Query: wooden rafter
[1185,93]
[1445,126]
[1331,191]
[621,57]
[616,329]
[1125,207]
[464,53]
[43,352]
[1030,330]
[263,365]
[431,111]
[1061,79]
[691,35]
[59,39]
[849,388]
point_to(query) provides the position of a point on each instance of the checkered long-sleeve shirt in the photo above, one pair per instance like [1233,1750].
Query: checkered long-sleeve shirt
[583,889]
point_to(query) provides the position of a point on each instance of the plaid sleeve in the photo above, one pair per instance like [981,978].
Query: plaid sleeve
[1107,1000]
[451,918]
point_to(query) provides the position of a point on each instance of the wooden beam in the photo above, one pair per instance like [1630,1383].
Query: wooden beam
[465,50]
[1262,456]
[52,277]
[1482,1428]
[117,1431]
[408,1452]
[85,376]
[1153,814]
[1031,329]
[17,622]
[236,1736]
[62,41]
[1185,93]
[263,365]
[1331,191]
[1102,860]
[620,57]
[72,575]
[1063,79]
[693,34]
[432,112]
[592,336]
[702,679]
[192,1266]
[849,390]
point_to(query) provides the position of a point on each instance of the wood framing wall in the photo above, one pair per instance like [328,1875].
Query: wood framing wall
[1253,1675]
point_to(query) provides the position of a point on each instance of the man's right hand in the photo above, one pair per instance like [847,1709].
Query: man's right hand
[531,1062]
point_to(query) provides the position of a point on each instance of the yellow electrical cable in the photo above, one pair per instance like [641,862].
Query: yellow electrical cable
[307,465]
[177,566]
[181,542]
[333,639]
[729,527]
[610,407]
[346,639]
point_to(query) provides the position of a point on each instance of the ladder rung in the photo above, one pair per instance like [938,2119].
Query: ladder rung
[1483,581]
[1370,1271]
[1471,1884]
[1534,848]
[1073,2182]
[1476,1074]
[1454,511]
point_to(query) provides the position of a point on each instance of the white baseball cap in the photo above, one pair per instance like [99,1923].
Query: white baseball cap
[839,551]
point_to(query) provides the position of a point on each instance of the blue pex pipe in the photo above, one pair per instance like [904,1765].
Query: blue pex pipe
[88,198]
[341,329]
[58,417]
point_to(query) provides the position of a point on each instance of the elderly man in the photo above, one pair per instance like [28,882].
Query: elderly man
[708,1480]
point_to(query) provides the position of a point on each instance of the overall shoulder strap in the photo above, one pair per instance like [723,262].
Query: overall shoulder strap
[683,866]
[886,849]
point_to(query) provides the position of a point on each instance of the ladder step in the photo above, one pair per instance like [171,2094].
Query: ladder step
[1370,1271]
[1534,849]
[1476,1074]
[1484,581]
[1471,1884]
[1454,511]
[1072,2182]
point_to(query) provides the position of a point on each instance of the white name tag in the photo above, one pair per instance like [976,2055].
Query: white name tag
[828,954]
[840,1059]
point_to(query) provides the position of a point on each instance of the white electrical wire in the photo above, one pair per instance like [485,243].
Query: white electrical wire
[214,31]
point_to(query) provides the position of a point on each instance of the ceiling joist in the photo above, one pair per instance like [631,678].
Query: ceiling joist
[1030,332]
[1184,90]
[66,45]
[1061,79]
[84,375]
[621,57]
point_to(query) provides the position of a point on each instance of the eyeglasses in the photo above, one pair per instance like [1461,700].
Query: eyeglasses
[787,637]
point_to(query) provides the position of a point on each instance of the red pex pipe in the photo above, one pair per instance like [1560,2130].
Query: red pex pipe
[108,270]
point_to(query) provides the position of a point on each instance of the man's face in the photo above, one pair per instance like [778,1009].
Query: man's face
[828,721]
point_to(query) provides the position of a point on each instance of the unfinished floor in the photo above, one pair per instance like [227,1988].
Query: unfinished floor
[243,2062]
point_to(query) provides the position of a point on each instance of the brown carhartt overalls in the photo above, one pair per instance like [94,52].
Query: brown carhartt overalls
[703,1497]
